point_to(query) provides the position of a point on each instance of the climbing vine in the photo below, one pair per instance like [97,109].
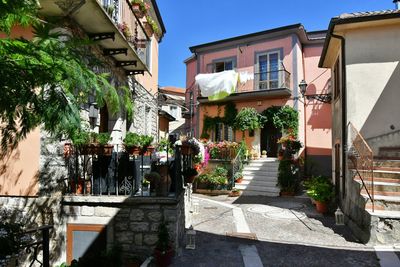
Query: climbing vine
[210,123]
[285,118]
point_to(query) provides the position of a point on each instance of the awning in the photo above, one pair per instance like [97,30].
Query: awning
[93,19]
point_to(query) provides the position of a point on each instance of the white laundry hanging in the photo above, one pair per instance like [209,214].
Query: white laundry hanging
[218,85]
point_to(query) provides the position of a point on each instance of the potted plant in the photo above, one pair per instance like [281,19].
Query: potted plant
[238,176]
[146,187]
[132,143]
[150,27]
[321,190]
[248,119]
[145,143]
[124,28]
[102,140]
[264,154]
[163,251]
[139,8]
[81,140]
[190,174]
[234,192]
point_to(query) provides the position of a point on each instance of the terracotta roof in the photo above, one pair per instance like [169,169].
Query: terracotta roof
[172,89]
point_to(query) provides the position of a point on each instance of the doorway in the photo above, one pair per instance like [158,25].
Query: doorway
[269,138]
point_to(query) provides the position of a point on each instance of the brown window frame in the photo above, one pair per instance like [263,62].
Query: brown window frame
[80,227]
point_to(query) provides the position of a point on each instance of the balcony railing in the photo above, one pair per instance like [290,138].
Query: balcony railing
[270,80]
[135,34]
[97,172]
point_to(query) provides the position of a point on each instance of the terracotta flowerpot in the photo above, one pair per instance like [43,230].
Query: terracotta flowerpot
[77,189]
[148,150]
[163,258]
[280,157]
[148,29]
[234,194]
[133,150]
[105,150]
[239,180]
[321,207]
[137,11]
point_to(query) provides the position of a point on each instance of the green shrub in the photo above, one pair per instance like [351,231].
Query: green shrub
[132,139]
[320,188]
[288,175]
[103,138]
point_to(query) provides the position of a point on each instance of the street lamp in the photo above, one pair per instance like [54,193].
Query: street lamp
[325,98]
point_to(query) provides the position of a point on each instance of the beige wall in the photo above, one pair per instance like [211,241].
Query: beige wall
[19,170]
[373,78]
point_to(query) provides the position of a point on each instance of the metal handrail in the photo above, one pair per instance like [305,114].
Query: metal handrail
[237,164]
[282,79]
[362,159]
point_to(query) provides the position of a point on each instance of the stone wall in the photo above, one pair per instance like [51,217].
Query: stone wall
[132,223]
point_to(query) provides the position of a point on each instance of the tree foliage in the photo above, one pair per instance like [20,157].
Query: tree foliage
[248,119]
[46,80]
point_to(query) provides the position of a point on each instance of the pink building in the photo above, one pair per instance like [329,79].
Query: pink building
[274,62]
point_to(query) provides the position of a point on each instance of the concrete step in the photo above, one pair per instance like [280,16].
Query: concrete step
[259,173]
[388,203]
[381,185]
[260,169]
[260,178]
[260,164]
[257,183]
[386,163]
[264,160]
[259,193]
[380,174]
[382,193]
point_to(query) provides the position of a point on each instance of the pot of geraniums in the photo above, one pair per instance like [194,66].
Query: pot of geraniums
[132,143]
[190,174]
[124,28]
[321,190]
[163,252]
[264,154]
[238,176]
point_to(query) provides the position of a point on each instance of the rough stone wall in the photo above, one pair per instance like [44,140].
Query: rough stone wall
[132,224]
[145,121]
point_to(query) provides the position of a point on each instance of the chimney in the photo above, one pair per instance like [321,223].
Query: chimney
[397,3]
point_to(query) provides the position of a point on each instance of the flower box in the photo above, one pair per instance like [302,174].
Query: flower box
[137,10]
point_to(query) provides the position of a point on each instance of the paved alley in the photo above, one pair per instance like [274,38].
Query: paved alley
[268,231]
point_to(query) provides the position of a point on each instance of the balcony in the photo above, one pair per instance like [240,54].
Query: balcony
[264,85]
[101,23]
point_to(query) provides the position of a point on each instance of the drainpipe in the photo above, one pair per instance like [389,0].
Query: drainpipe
[344,108]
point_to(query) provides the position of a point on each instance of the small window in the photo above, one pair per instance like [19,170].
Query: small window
[85,241]
[223,65]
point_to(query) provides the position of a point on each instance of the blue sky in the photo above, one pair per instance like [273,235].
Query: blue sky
[193,22]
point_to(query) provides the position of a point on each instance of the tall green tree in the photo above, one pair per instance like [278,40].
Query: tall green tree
[44,81]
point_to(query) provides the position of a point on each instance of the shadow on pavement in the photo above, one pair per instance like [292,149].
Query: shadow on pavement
[219,250]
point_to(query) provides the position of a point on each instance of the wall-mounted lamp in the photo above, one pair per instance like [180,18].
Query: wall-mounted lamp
[325,98]
[93,114]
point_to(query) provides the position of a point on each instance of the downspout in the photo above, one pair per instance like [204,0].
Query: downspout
[344,108]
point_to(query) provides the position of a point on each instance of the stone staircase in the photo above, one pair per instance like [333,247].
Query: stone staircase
[260,178]
[386,182]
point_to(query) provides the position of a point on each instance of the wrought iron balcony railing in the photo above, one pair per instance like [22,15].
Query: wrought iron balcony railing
[270,80]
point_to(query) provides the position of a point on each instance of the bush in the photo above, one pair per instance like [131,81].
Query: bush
[288,175]
[132,139]
[216,178]
[320,188]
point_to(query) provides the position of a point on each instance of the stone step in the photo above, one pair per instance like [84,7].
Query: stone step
[381,185]
[380,174]
[261,169]
[260,173]
[269,189]
[257,183]
[382,193]
[260,178]
[260,193]
[389,203]
[265,164]
[264,160]
[386,163]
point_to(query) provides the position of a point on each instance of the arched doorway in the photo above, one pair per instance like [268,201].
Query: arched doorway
[269,138]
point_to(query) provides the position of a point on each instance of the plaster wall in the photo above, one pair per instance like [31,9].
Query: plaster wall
[373,76]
